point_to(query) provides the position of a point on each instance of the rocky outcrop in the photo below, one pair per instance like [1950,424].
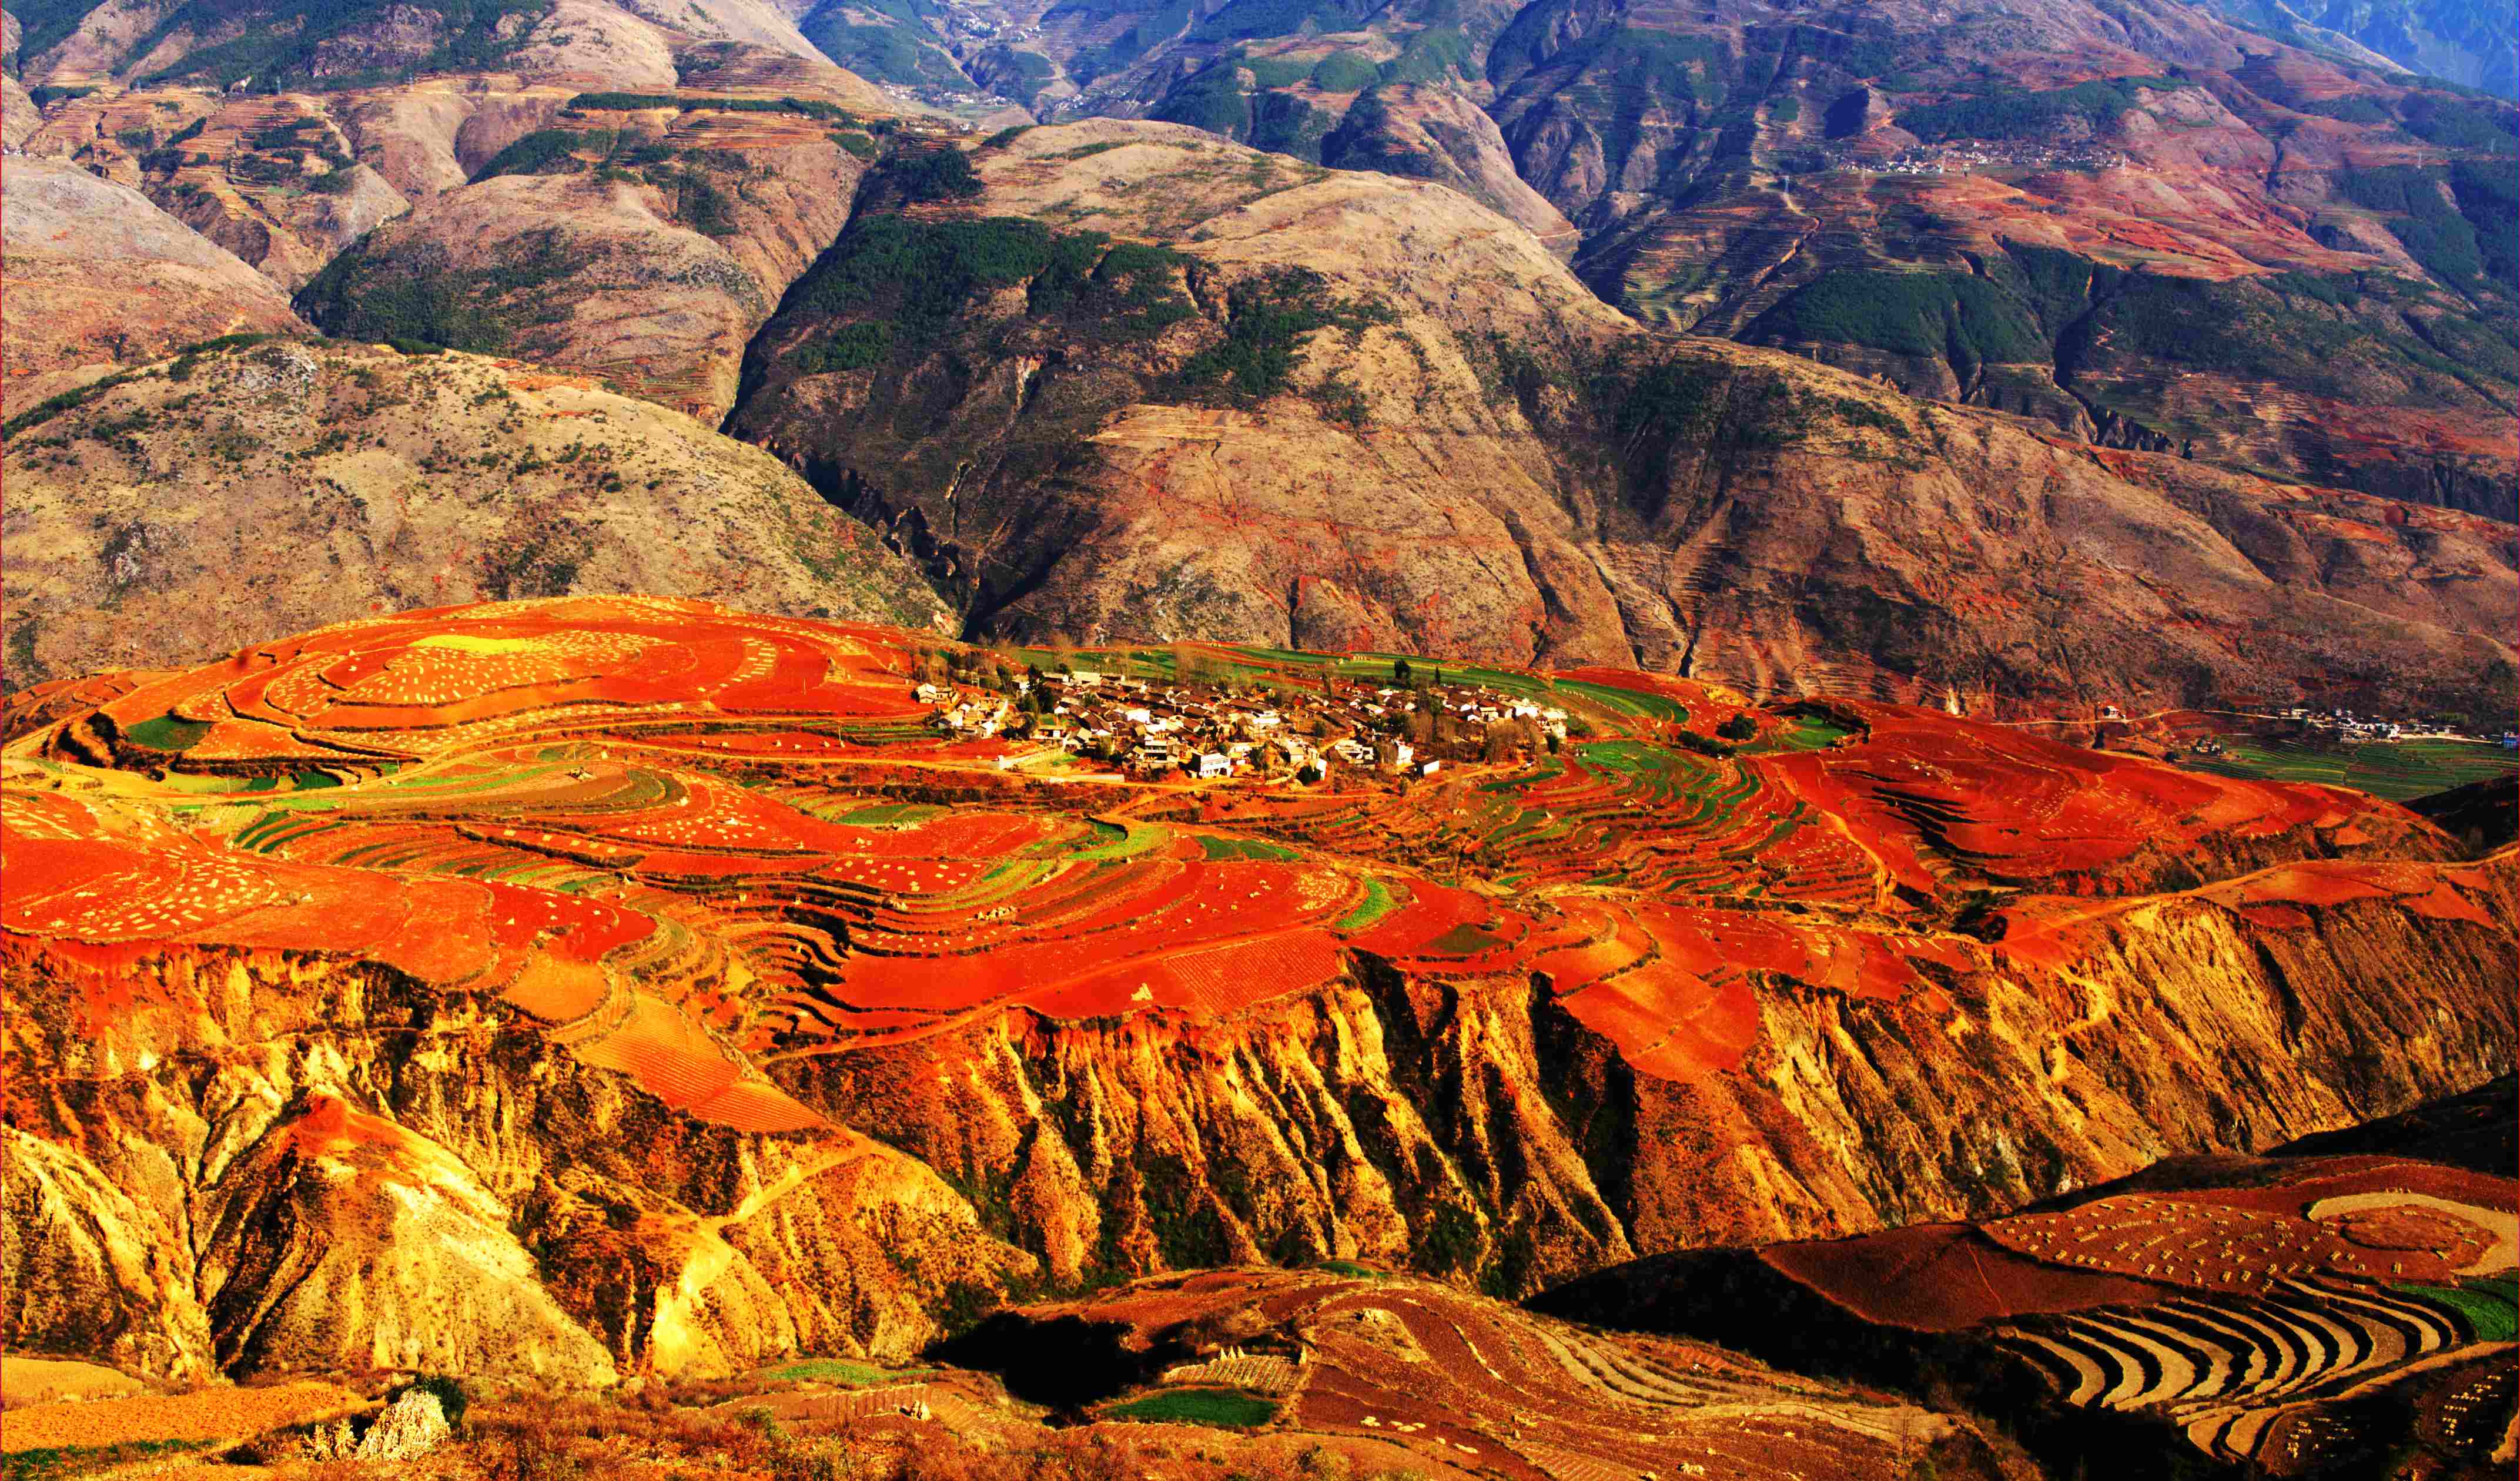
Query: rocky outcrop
[493,1209]
[192,1186]
[1475,1128]
[198,503]
[1423,132]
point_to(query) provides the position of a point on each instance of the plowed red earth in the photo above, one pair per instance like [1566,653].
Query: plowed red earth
[689,840]
[2137,1249]
[1487,1388]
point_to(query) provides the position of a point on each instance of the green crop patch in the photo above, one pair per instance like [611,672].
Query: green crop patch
[62,1461]
[1244,848]
[2393,769]
[1219,1408]
[170,733]
[839,1371]
[1378,902]
[890,815]
[2483,1307]
[1626,702]
[1803,732]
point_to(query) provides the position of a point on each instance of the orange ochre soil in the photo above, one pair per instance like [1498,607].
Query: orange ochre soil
[692,839]
[208,1415]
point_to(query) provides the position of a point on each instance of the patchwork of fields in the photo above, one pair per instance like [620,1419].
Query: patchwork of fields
[696,843]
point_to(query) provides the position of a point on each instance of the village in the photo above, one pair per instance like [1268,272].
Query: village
[1978,154]
[1153,729]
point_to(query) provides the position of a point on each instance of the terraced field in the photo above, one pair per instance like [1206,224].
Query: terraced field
[698,844]
[1458,1381]
[2254,1306]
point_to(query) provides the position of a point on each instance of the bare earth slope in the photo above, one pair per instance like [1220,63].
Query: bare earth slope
[200,501]
[641,245]
[1340,409]
[97,275]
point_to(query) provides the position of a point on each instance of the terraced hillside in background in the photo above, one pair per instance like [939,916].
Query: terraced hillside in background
[699,1000]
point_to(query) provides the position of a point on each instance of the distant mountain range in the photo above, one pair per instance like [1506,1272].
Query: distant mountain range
[2462,41]
[1790,347]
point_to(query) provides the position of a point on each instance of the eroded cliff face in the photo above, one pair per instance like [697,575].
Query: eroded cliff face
[1476,1128]
[244,1160]
[248,1160]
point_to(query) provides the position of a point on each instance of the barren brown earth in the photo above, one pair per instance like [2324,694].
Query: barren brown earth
[97,276]
[1464,453]
[205,1414]
[195,501]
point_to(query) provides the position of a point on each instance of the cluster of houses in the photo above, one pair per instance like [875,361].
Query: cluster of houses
[1153,729]
[1969,157]
[2356,727]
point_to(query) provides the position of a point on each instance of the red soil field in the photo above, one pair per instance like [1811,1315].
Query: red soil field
[1946,1277]
[683,838]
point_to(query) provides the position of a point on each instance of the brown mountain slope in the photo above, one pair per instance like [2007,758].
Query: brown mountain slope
[644,246]
[197,502]
[2303,260]
[1338,410]
[2134,221]
[1433,133]
[270,179]
[95,275]
[359,43]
